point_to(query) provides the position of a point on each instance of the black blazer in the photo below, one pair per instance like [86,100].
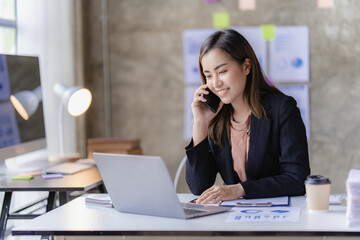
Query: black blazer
[278,160]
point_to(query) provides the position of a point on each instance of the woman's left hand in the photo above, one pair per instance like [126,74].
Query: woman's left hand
[218,193]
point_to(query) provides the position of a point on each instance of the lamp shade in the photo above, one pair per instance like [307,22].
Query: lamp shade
[26,102]
[76,100]
[79,102]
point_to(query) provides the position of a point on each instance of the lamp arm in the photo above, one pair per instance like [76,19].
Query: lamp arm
[61,125]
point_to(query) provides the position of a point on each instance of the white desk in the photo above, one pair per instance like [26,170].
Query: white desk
[81,181]
[77,218]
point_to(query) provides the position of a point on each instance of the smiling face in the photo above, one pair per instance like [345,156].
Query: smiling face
[224,76]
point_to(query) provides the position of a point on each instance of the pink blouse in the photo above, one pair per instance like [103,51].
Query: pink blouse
[240,135]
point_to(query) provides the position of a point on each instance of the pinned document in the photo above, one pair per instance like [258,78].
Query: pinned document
[289,54]
[268,31]
[221,20]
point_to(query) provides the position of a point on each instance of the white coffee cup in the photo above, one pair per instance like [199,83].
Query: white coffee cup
[317,192]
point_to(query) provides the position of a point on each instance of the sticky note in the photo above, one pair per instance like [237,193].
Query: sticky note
[268,31]
[52,176]
[246,5]
[22,177]
[325,3]
[221,20]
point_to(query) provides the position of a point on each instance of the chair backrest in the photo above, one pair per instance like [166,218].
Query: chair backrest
[178,172]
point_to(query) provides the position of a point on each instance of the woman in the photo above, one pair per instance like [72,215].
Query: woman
[256,140]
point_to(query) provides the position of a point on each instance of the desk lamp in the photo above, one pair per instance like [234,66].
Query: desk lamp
[76,99]
[26,102]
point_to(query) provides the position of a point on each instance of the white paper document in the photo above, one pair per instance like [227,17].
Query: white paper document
[265,202]
[289,54]
[192,40]
[301,95]
[264,214]
[188,116]
[253,36]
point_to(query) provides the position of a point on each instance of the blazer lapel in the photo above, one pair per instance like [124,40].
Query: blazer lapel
[259,136]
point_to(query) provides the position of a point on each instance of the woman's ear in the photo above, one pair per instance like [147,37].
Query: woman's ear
[247,66]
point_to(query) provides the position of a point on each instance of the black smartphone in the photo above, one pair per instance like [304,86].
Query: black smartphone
[212,100]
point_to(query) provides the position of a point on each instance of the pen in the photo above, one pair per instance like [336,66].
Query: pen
[259,204]
[52,176]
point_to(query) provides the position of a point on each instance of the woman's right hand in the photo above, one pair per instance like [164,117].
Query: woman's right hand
[202,115]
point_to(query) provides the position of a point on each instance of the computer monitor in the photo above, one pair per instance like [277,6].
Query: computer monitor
[20,84]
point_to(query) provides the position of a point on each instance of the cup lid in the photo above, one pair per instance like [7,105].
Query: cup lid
[317,179]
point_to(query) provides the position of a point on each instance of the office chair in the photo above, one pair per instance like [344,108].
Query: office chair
[178,172]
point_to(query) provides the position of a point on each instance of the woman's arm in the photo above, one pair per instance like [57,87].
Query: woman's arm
[200,166]
[201,169]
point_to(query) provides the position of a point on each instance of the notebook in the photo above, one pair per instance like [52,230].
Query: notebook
[142,185]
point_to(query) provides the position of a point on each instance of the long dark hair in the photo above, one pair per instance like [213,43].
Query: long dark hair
[237,47]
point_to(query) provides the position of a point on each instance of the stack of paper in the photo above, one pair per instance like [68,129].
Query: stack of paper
[353,198]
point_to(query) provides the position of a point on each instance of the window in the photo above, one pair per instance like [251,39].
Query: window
[8,27]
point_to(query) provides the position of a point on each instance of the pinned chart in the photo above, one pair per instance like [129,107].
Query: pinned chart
[188,117]
[192,40]
[264,214]
[252,35]
[289,54]
[301,95]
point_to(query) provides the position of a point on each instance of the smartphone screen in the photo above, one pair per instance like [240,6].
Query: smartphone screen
[212,101]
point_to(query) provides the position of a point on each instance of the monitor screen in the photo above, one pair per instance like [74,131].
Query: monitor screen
[22,128]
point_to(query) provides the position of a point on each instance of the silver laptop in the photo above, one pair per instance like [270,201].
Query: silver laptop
[142,185]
